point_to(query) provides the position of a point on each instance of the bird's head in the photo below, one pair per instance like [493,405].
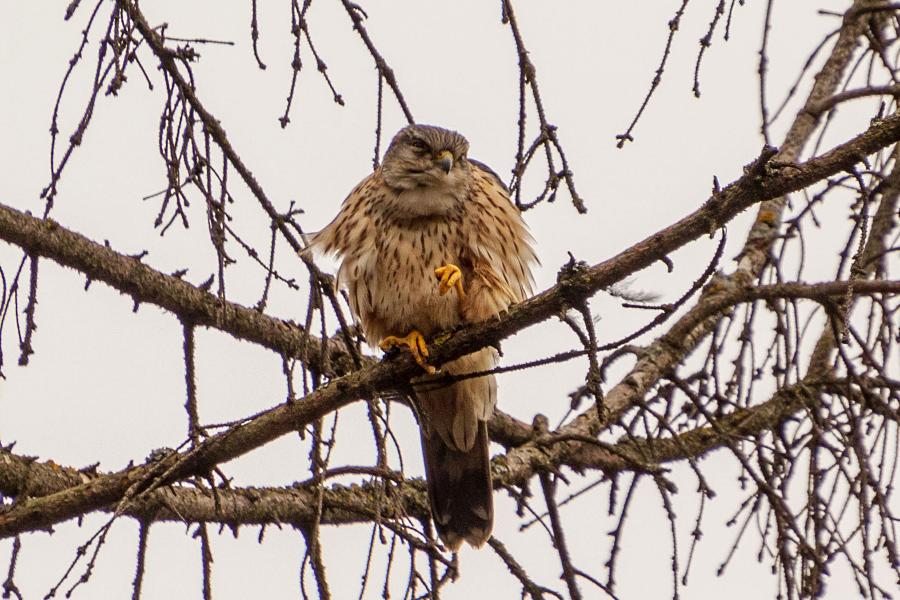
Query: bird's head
[424,156]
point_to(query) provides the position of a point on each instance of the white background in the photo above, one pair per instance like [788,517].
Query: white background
[107,385]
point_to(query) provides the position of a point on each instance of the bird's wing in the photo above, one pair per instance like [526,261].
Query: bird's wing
[348,229]
[500,244]
[352,236]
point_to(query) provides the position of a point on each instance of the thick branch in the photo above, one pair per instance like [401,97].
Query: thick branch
[144,284]
[130,276]
[358,503]
[761,182]
[583,453]
[741,424]
[235,506]
[689,331]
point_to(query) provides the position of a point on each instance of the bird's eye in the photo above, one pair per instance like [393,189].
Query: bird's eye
[419,144]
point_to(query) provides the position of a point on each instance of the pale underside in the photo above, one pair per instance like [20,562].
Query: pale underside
[392,239]
[388,270]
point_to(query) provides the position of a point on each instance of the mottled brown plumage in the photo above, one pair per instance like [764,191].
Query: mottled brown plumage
[427,208]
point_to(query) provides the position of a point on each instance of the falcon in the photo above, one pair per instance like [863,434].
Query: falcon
[427,242]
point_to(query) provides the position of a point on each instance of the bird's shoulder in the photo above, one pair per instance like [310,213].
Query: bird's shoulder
[489,173]
[490,195]
[355,218]
[367,190]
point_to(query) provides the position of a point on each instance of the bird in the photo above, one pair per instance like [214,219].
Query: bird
[428,242]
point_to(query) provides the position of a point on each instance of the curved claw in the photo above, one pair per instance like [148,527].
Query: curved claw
[415,343]
[450,276]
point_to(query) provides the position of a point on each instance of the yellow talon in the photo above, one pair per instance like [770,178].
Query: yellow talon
[450,276]
[415,342]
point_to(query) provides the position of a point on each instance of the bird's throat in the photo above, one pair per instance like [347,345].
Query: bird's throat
[430,201]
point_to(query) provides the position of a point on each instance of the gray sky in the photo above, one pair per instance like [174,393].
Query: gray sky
[107,385]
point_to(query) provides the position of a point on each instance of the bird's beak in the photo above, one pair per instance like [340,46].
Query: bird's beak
[444,160]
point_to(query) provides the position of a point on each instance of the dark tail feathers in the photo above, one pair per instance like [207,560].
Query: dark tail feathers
[459,488]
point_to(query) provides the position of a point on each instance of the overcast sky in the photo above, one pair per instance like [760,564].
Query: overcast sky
[106,384]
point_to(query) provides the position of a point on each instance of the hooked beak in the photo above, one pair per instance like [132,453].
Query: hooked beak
[444,159]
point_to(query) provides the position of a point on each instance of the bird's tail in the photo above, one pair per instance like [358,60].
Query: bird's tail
[459,488]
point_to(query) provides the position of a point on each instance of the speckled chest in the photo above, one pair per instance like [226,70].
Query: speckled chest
[407,251]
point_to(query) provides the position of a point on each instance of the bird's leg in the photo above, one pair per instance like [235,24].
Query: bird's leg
[450,276]
[415,342]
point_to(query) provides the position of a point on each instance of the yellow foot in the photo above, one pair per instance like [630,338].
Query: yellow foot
[415,342]
[450,276]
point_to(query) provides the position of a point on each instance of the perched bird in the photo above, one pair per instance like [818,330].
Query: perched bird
[428,241]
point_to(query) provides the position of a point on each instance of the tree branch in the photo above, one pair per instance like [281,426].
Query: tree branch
[688,331]
[762,181]
[128,275]
[298,505]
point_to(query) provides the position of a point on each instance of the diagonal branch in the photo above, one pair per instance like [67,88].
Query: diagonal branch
[167,61]
[296,505]
[130,276]
[213,126]
[356,15]
[356,503]
[192,304]
[743,423]
[685,334]
[762,181]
